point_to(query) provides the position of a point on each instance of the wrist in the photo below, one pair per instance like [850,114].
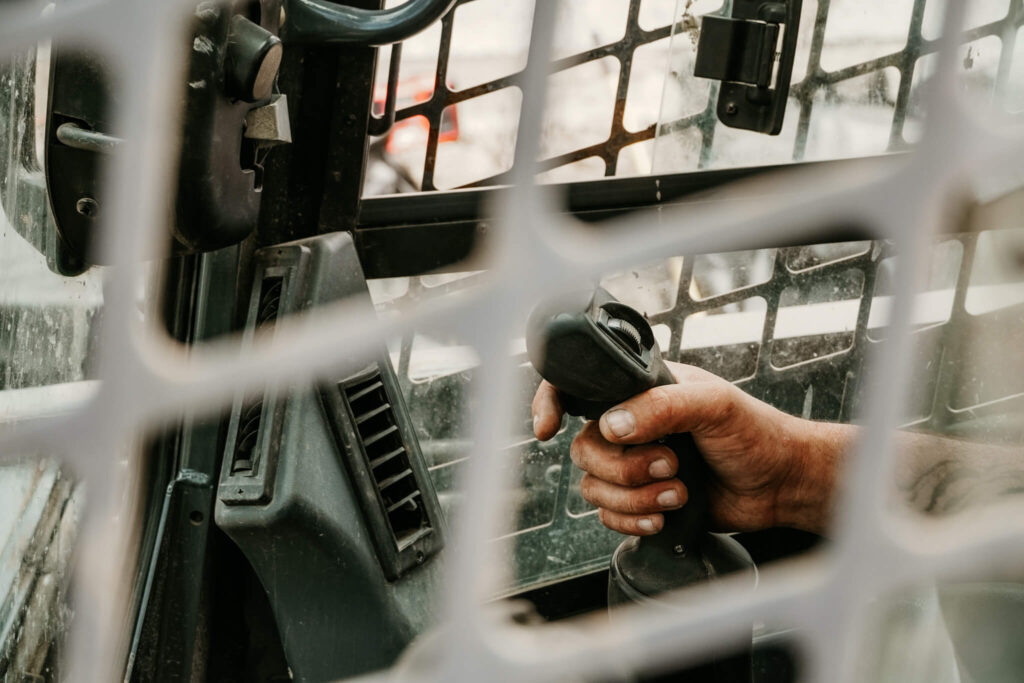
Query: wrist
[807,492]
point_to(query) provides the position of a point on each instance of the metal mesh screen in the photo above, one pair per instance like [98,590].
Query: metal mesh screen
[444,96]
[834,301]
[821,82]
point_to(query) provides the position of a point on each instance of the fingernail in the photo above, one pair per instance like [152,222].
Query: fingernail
[536,421]
[660,469]
[621,422]
[646,524]
[668,499]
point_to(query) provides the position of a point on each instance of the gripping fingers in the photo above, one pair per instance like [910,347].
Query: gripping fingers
[632,525]
[618,465]
[642,500]
[697,406]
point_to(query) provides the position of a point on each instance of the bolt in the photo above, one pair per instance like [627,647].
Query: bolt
[679,550]
[87,207]
[731,109]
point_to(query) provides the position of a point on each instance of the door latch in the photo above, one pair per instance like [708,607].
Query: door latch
[231,116]
[743,52]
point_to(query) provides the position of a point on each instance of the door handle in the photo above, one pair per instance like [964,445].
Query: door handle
[321,21]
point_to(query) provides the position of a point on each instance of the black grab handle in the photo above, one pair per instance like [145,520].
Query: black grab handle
[321,21]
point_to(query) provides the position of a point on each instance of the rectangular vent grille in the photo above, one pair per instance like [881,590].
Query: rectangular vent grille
[388,459]
[244,457]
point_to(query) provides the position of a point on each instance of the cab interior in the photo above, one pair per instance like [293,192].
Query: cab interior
[301,531]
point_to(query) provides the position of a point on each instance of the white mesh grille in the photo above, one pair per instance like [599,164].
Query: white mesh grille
[147,379]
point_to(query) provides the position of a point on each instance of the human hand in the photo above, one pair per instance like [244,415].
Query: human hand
[767,468]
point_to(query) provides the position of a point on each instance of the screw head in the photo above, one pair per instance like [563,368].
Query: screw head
[679,550]
[731,109]
[87,206]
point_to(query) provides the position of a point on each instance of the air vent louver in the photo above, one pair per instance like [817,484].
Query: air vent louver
[388,459]
[270,301]
[346,446]
[244,456]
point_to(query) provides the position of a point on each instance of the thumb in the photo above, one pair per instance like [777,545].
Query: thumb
[669,409]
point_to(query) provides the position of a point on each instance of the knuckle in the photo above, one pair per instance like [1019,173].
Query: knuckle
[660,405]
[631,477]
[725,405]
[633,503]
[611,520]
[690,373]
[587,486]
[585,483]
[574,452]
[636,471]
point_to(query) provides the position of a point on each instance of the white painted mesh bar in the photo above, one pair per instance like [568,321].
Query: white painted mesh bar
[533,249]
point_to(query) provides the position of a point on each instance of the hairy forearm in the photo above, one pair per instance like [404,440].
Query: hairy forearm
[939,475]
[935,475]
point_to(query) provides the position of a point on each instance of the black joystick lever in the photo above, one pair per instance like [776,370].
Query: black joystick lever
[599,352]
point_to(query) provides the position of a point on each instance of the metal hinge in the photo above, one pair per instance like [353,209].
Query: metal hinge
[741,52]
